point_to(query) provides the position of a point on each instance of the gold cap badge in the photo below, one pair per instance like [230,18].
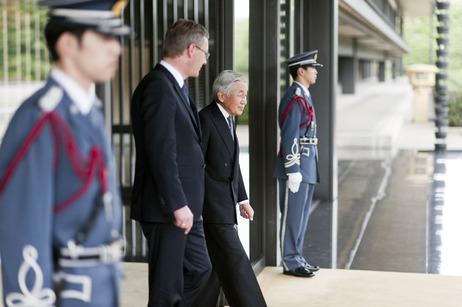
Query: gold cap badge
[119,7]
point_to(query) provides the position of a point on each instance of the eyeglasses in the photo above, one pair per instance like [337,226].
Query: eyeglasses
[207,55]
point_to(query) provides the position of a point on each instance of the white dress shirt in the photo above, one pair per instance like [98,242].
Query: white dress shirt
[176,74]
[226,115]
[82,99]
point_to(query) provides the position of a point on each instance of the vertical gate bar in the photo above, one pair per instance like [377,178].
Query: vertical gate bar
[133,223]
[142,55]
[37,43]
[124,230]
[164,17]
[175,10]
[185,9]
[131,53]
[286,29]
[46,56]
[196,10]
[196,80]
[121,95]
[207,67]
[142,38]
[5,41]
[143,246]
[18,40]
[28,50]
[301,28]
[155,35]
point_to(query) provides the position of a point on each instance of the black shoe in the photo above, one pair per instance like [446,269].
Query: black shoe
[300,272]
[312,268]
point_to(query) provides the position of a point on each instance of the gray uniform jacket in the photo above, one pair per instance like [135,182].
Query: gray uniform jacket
[55,166]
[294,156]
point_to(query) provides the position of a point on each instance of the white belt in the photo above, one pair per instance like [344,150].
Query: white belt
[78,255]
[308,141]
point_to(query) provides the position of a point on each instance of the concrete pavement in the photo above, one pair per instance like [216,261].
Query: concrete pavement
[378,120]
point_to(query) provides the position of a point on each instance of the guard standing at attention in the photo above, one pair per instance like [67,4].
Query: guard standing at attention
[297,162]
[60,208]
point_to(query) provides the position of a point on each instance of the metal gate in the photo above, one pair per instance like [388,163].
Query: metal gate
[25,59]
[150,20]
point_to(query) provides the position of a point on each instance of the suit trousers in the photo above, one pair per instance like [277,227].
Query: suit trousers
[179,266]
[231,269]
[295,210]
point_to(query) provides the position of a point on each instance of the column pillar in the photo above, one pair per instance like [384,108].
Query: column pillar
[322,34]
[263,100]
[348,74]
[382,71]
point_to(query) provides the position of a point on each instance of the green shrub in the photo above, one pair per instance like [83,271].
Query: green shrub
[455,110]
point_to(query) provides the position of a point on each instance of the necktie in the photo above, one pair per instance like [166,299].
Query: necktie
[185,91]
[193,109]
[230,124]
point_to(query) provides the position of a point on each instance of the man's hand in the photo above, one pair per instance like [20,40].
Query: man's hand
[294,181]
[183,219]
[246,211]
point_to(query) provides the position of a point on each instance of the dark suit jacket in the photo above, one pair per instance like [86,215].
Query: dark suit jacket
[224,186]
[169,172]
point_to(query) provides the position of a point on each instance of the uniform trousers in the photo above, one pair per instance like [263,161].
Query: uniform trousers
[231,269]
[179,265]
[295,209]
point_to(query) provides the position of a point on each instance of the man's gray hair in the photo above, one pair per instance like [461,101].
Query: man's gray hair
[224,82]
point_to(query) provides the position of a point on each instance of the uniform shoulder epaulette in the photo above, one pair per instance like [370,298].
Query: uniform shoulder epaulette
[51,98]
[298,92]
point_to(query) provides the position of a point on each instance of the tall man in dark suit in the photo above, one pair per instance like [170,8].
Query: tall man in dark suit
[224,191]
[168,192]
[297,162]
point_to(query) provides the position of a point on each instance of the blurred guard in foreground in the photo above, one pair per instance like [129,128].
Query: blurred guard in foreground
[60,210]
[297,162]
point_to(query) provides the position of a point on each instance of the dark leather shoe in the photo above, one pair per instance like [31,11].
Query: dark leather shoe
[312,268]
[300,272]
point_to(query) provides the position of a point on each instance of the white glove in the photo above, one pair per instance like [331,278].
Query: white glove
[294,181]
